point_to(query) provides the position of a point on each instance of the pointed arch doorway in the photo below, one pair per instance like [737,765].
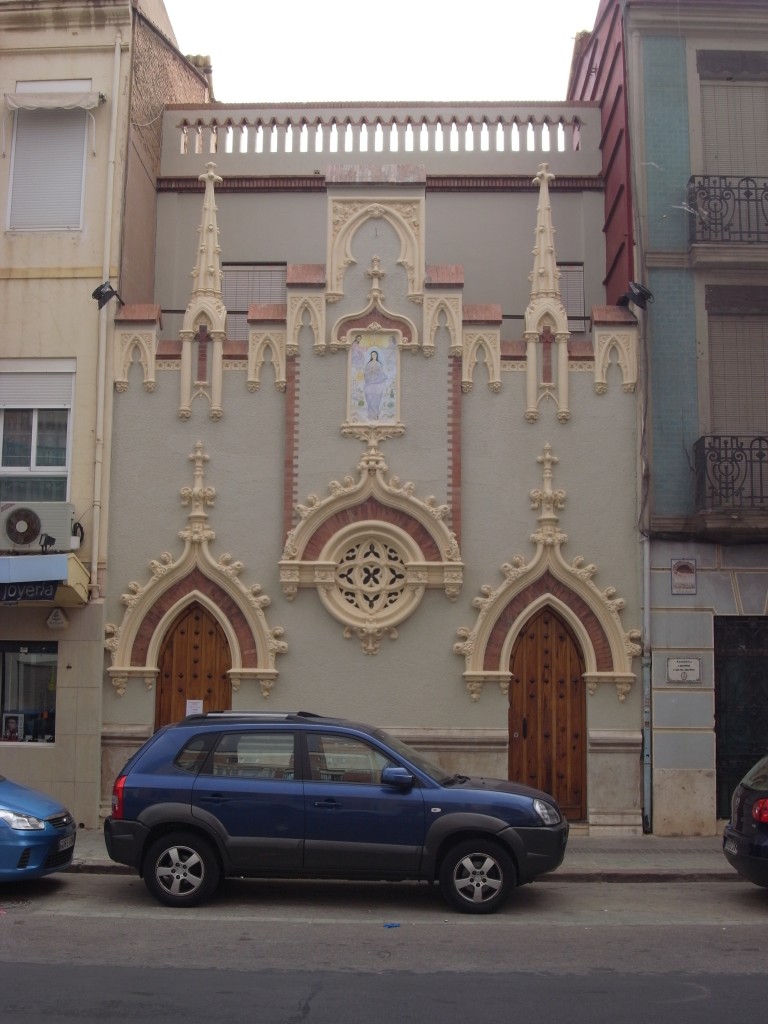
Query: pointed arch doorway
[547,712]
[194,664]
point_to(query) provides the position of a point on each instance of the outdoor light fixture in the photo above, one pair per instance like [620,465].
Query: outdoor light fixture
[637,295]
[46,542]
[104,293]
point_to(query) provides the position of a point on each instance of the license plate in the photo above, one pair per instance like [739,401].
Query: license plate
[66,842]
[730,846]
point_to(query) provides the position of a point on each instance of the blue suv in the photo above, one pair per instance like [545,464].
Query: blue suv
[300,795]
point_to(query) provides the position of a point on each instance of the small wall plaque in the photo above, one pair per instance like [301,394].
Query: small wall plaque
[683,575]
[683,670]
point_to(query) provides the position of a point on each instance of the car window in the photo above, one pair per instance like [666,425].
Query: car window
[336,758]
[192,755]
[757,777]
[253,755]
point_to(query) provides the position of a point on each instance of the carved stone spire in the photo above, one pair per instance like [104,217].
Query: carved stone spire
[545,275]
[205,302]
[207,271]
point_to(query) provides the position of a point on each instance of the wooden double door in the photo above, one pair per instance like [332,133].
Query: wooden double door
[194,665]
[547,713]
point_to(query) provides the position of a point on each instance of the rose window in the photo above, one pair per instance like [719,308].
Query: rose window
[370,576]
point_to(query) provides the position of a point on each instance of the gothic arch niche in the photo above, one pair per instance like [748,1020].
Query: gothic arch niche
[371,549]
[196,575]
[592,614]
[606,649]
[405,216]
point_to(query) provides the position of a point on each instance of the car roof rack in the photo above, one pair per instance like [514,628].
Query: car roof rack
[276,716]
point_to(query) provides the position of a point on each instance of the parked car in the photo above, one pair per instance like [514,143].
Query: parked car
[299,795]
[745,838]
[37,834]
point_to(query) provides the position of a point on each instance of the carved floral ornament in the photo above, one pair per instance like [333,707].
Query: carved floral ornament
[371,574]
[578,598]
[195,576]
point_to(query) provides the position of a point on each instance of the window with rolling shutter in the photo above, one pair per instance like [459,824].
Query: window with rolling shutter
[48,161]
[245,284]
[734,119]
[738,374]
[35,421]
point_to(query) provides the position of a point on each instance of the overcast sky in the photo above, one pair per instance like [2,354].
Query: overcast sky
[286,51]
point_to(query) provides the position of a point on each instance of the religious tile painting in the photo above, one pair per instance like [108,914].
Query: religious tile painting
[373,378]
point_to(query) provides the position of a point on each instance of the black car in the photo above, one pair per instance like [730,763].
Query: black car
[745,839]
[299,795]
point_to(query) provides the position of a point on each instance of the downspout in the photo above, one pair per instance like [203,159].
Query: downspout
[644,482]
[101,364]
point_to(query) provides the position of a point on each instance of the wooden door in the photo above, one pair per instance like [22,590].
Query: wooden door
[547,713]
[194,665]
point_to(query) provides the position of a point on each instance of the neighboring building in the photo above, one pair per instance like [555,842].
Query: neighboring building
[84,85]
[695,89]
[378,458]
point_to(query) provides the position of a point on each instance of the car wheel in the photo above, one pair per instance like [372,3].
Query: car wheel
[477,876]
[181,869]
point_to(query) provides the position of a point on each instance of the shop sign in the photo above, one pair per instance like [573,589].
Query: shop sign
[41,590]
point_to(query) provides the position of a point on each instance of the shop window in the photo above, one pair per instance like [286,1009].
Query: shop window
[28,691]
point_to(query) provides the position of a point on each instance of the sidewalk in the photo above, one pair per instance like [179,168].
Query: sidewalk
[587,859]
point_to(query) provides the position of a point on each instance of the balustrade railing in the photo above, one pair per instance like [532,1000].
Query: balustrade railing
[468,138]
[728,208]
[731,472]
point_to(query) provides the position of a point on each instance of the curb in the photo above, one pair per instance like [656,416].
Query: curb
[595,875]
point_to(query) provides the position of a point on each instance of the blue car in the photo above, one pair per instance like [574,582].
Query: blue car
[37,834]
[296,795]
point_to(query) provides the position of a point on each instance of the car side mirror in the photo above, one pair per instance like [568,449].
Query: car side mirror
[394,775]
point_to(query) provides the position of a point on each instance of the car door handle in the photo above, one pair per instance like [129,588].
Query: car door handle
[327,804]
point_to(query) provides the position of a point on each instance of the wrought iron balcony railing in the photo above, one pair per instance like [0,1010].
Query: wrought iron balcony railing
[728,208]
[731,473]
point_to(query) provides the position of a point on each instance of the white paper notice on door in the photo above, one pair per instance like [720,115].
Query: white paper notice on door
[194,707]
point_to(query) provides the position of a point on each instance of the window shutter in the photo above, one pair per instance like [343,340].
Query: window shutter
[734,127]
[48,170]
[738,374]
[36,390]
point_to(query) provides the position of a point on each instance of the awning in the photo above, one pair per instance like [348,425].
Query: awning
[51,100]
[60,580]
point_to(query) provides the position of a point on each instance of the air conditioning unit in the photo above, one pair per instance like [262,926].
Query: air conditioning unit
[36,527]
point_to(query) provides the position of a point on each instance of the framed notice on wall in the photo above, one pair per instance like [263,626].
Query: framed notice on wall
[683,575]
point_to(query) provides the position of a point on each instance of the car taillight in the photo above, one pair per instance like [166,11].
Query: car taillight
[117,797]
[760,811]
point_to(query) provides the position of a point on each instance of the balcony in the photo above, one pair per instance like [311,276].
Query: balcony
[728,214]
[732,487]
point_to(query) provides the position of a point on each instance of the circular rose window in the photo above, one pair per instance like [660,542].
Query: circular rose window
[371,576]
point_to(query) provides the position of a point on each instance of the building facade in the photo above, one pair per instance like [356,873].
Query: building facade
[696,90]
[82,83]
[376,456]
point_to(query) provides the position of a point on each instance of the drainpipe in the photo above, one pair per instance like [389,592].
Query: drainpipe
[101,365]
[647,693]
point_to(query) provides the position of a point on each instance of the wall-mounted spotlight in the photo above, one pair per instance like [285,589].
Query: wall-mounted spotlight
[46,542]
[637,294]
[104,293]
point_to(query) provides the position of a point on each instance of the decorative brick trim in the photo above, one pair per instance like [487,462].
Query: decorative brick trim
[371,509]
[547,584]
[291,466]
[454,446]
[195,581]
